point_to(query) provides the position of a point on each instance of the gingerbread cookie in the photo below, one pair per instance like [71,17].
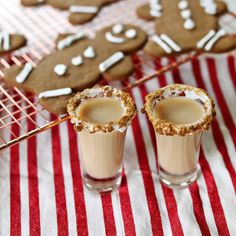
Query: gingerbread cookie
[81,11]
[79,63]
[10,42]
[186,25]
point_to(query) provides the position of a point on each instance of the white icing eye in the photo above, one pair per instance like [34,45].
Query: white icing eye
[189,24]
[111,38]
[183,5]
[131,33]
[60,69]
[89,52]
[77,61]
[117,29]
[156,6]
[186,14]
[155,13]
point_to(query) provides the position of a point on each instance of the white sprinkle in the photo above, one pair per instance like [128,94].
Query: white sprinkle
[186,14]
[77,61]
[105,65]
[162,44]
[170,42]
[183,5]
[117,29]
[221,33]
[83,9]
[60,69]
[24,73]
[131,33]
[189,24]
[205,39]
[89,52]
[66,42]
[111,38]
[55,93]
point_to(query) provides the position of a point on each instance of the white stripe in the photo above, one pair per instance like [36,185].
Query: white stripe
[117,213]
[48,216]
[5,185]
[219,117]
[206,205]
[65,156]
[222,179]
[136,188]
[24,191]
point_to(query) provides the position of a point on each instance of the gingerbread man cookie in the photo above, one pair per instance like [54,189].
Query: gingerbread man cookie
[79,63]
[10,42]
[186,25]
[81,11]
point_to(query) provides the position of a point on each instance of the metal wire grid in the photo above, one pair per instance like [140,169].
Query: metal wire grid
[20,114]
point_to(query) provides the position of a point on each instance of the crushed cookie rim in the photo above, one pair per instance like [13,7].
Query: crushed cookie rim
[95,92]
[176,90]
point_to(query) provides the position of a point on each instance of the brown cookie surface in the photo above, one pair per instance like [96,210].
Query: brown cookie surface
[32,3]
[10,42]
[183,26]
[79,63]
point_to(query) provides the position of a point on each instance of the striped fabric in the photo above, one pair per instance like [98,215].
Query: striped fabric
[41,191]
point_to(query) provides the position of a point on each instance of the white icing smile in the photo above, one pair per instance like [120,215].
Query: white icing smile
[113,39]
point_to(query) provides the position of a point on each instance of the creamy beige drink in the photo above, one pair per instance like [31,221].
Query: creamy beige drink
[101,116]
[179,114]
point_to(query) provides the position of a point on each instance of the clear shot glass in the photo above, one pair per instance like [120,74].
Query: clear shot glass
[179,115]
[101,116]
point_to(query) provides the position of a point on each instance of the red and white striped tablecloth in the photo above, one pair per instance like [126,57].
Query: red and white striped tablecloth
[41,191]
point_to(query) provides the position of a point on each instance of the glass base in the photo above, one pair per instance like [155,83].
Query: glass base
[178,181]
[102,185]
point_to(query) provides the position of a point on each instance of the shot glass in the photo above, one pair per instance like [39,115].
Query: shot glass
[179,115]
[101,116]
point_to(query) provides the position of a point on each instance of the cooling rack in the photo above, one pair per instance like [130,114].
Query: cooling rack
[21,116]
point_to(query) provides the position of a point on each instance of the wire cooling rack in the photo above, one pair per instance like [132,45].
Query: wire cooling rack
[20,114]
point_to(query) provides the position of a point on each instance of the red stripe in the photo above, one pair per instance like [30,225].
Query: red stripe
[34,211]
[216,206]
[155,216]
[15,204]
[171,204]
[217,134]
[232,69]
[81,218]
[198,209]
[210,182]
[108,214]
[220,99]
[126,209]
[62,219]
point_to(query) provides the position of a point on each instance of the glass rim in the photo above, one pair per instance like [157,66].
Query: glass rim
[180,90]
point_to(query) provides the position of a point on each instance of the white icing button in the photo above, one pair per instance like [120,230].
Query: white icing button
[24,73]
[189,24]
[77,61]
[60,69]
[117,29]
[155,13]
[111,38]
[156,6]
[183,5]
[105,65]
[211,9]
[154,1]
[186,13]
[131,33]
[89,52]
[83,9]
[55,93]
